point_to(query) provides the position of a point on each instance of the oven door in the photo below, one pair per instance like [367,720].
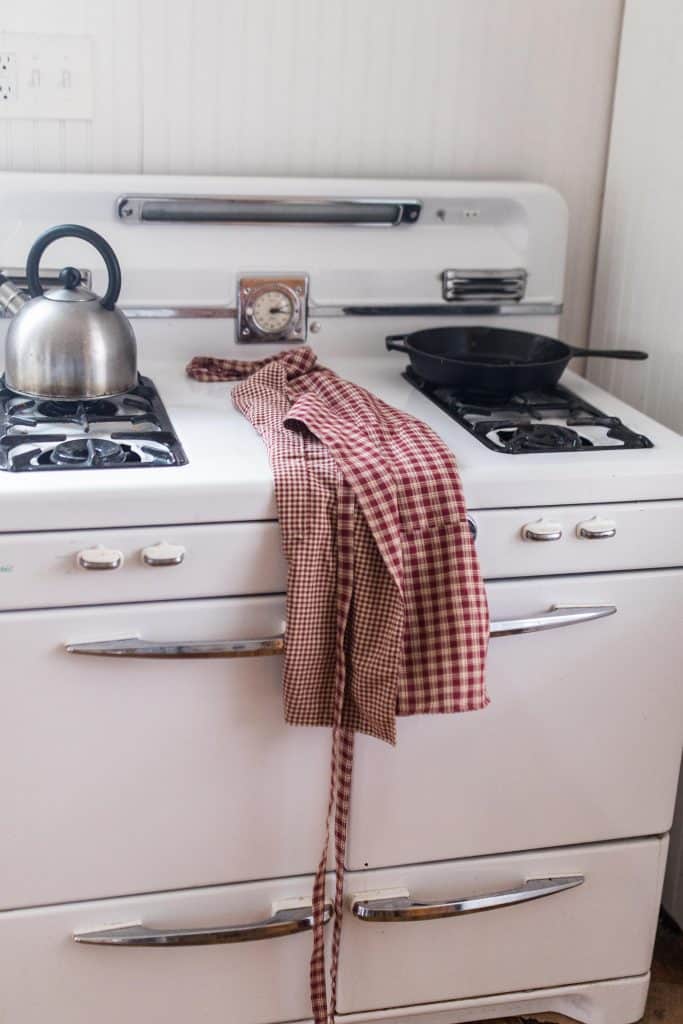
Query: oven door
[581,741]
[168,770]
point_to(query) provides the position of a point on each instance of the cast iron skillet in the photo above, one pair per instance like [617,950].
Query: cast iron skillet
[492,360]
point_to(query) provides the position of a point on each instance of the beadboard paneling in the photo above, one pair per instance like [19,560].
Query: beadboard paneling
[402,88]
[640,269]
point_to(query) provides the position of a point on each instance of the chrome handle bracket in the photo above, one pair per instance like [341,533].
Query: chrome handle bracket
[288,918]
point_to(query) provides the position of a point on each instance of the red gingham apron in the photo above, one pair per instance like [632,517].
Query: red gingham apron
[386,608]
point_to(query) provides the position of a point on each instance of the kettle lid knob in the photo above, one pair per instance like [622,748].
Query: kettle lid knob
[70,277]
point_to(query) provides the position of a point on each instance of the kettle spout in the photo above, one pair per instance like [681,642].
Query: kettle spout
[11,297]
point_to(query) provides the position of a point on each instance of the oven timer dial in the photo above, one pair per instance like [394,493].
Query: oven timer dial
[272,309]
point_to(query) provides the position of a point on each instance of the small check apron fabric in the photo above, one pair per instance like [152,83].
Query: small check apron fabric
[386,607]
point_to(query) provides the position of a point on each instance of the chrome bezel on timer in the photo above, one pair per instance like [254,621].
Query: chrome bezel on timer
[295,287]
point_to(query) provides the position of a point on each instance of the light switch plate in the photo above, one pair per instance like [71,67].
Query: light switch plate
[46,77]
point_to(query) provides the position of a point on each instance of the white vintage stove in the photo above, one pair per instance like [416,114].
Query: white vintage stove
[151,794]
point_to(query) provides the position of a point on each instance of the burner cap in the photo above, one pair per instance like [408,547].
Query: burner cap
[541,437]
[88,451]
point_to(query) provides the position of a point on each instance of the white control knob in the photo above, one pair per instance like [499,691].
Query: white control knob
[163,554]
[99,558]
[542,529]
[596,528]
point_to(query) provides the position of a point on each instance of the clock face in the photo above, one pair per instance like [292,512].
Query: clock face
[272,310]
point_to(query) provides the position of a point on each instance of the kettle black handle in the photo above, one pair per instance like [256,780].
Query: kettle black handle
[88,235]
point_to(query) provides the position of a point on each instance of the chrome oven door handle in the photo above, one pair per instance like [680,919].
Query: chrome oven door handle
[403,908]
[134,647]
[287,920]
[558,616]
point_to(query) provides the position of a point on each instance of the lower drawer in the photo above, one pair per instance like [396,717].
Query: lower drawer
[47,976]
[602,928]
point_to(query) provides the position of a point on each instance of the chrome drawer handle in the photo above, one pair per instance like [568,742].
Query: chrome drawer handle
[553,619]
[287,920]
[134,647]
[403,908]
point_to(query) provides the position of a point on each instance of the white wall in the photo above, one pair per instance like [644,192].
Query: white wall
[640,272]
[452,88]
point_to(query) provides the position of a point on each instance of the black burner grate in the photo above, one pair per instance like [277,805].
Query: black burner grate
[121,432]
[536,421]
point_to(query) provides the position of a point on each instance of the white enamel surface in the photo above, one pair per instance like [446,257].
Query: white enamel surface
[598,930]
[139,775]
[606,1002]
[559,755]
[74,984]
[164,776]
[68,983]
[41,570]
[229,479]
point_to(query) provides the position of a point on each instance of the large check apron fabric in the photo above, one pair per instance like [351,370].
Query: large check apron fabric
[386,608]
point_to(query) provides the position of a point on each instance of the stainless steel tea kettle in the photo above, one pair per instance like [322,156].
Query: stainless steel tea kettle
[68,342]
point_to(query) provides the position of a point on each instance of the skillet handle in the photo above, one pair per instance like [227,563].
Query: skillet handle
[397,342]
[611,353]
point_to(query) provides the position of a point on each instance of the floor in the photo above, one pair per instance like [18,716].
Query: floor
[665,1002]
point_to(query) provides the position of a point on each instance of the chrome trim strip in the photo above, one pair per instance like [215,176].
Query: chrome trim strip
[333,310]
[284,921]
[555,618]
[403,908]
[49,278]
[179,312]
[441,309]
[135,647]
[180,209]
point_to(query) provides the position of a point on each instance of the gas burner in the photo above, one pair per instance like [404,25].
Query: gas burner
[87,451]
[536,421]
[541,437]
[54,410]
[107,433]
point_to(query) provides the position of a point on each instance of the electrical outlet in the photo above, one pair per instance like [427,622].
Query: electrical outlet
[46,77]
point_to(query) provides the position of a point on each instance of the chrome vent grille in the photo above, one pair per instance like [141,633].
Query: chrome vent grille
[477,287]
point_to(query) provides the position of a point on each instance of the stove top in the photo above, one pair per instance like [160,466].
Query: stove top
[123,432]
[555,420]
